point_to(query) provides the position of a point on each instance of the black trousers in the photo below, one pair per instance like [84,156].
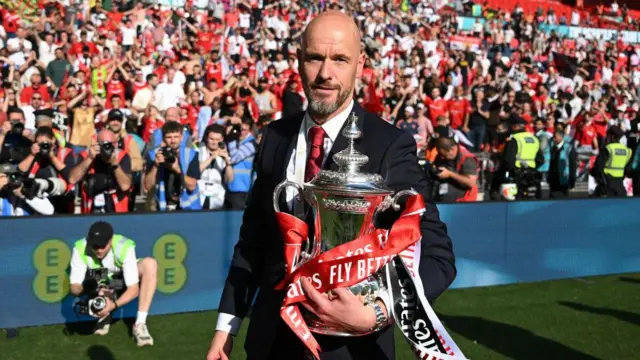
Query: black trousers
[235,200]
[636,185]
[558,192]
[612,188]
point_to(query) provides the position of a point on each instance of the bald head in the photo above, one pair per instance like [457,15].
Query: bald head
[330,61]
[106,136]
[336,22]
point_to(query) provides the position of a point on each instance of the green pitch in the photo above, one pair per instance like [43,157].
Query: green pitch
[589,318]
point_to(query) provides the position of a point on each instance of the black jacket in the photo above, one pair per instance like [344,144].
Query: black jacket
[258,260]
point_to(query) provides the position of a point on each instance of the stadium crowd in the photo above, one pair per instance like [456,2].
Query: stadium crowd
[103,101]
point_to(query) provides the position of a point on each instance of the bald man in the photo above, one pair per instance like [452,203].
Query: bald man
[330,61]
[110,169]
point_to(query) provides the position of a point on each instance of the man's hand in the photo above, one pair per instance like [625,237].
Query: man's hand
[175,167]
[224,154]
[345,310]
[159,158]
[6,127]
[113,160]
[444,173]
[35,149]
[3,181]
[18,192]
[107,309]
[221,345]
[94,150]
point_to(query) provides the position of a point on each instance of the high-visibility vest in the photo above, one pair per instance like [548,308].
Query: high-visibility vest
[472,194]
[120,199]
[62,142]
[98,78]
[119,247]
[61,155]
[619,156]
[189,200]
[528,146]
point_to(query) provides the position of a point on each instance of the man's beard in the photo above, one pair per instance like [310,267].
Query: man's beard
[324,107]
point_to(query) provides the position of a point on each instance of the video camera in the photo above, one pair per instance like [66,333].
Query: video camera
[96,280]
[17,127]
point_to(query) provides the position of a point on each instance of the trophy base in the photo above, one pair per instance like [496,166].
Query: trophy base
[318,327]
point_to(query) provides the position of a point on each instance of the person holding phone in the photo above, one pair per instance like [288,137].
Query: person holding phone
[215,167]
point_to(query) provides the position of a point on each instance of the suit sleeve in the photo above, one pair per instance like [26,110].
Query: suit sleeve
[248,258]
[437,262]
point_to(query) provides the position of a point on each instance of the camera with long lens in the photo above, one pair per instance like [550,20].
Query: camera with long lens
[234,133]
[106,150]
[169,155]
[45,148]
[17,127]
[32,187]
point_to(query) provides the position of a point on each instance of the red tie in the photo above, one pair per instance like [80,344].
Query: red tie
[316,152]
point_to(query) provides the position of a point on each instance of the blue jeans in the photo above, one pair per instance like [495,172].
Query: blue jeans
[476,136]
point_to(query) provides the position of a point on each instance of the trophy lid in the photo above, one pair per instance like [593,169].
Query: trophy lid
[349,178]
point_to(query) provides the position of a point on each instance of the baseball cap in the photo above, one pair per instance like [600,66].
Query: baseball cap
[99,235]
[115,114]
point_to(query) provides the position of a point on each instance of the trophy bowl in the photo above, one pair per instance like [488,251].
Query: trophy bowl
[344,205]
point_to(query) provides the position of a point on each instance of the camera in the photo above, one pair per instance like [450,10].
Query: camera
[45,148]
[17,127]
[234,133]
[106,150]
[434,172]
[91,306]
[222,145]
[169,155]
[32,187]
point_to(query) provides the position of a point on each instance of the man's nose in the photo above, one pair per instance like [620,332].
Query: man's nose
[324,73]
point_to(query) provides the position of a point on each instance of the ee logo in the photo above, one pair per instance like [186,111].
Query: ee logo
[52,257]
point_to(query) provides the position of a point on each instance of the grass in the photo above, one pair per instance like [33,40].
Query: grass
[589,318]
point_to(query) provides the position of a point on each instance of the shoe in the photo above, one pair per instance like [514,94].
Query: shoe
[142,336]
[102,326]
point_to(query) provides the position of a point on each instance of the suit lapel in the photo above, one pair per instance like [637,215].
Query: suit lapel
[341,142]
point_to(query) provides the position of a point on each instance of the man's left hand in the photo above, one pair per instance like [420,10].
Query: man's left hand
[345,310]
[113,160]
[444,173]
[107,309]
[175,167]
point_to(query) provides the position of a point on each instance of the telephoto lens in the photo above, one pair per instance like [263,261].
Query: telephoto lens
[98,304]
[45,147]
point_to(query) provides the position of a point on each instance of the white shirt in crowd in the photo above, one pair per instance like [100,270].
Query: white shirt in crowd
[211,181]
[128,36]
[168,95]
[244,20]
[47,52]
[129,267]
[295,172]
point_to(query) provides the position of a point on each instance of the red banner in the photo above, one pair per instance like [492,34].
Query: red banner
[342,266]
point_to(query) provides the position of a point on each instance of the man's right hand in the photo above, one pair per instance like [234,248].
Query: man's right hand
[6,127]
[159,158]
[35,149]
[221,346]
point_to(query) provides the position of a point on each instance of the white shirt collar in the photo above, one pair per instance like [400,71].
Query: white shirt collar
[333,126]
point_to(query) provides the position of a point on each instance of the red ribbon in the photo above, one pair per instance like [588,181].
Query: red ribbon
[342,266]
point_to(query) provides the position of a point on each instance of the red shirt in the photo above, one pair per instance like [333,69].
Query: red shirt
[600,124]
[205,40]
[10,21]
[458,110]
[114,88]
[76,48]
[534,80]
[214,72]
[586,135]
[436,108]
[27,93]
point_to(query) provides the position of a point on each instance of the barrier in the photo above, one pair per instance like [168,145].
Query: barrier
[495,243]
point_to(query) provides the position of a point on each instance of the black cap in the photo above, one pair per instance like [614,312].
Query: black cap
[516,120]
[7,168]
[100,233]
[45,112]
[616,132]
[115,114]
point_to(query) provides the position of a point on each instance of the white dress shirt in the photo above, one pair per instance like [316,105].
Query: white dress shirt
[295,172]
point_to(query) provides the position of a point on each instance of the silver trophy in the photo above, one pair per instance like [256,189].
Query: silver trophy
[344,203]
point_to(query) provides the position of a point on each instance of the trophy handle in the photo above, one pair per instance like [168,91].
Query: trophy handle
[396,197]
[282,186]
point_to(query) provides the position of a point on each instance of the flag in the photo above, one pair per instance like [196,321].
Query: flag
[567,65]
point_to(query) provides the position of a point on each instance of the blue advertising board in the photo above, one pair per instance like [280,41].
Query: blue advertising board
[494,243]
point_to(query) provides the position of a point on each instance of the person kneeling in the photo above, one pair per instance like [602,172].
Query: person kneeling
[457,170]
[102,249]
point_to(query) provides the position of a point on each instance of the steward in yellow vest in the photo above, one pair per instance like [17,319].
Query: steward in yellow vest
[611,166]
[521,158]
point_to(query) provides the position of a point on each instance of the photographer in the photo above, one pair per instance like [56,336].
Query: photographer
[20,196]
[215,166]
[173,172]
[242,150]
[121,278]
[105,172]
[457,171]
[15,146]
[49,161]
